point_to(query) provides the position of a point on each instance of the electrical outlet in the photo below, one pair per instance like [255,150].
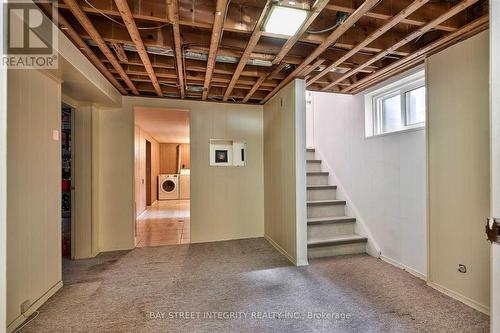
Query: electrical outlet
[25,306]
[462,268]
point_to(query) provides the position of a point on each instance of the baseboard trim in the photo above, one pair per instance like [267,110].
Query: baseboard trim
[39,302]
[467,301]
[403,267]
[280,249]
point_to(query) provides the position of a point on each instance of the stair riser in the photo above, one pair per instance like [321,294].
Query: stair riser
[326,211]
[321,231]
[310,155]
[313,167]
[317,180]
[315,195]
[336,250]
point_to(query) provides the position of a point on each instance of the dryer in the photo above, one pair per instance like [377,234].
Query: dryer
[168,187]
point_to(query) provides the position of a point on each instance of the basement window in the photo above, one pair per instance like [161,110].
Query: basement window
[396,107]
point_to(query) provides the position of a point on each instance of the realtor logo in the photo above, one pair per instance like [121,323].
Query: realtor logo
[30,39]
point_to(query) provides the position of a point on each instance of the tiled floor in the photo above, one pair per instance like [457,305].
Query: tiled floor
[165,223]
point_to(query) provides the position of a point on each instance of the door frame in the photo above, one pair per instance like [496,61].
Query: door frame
[148,197]
[495,159]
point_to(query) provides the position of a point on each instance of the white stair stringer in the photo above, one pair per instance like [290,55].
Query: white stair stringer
[330,229]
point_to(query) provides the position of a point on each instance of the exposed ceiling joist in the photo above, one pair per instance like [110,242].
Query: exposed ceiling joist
[379,32]
[231,25]
[220,14]
[173,14]
[89,27]
[129,21]
[479,24]
[450,13]
[339,31]
[254,38]
[380,16]
[221,44]
[75,37]
[310,68]
[315,11]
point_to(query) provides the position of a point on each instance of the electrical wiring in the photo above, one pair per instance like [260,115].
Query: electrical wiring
[120,23]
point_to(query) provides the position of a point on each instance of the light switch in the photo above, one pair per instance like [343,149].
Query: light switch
[55,135]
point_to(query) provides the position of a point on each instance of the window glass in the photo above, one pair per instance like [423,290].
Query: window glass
[415,106]
[391,114]
[397,106]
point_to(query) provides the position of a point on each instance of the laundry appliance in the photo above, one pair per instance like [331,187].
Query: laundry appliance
[168,187]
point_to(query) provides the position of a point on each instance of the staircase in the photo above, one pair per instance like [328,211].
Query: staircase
[329,231]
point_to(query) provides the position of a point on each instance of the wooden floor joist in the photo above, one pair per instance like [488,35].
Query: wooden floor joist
[450,13]
[75,37]
[339,31]
[173,14]
[315,11]
[385,17]
[254,38]
[222,43]
[479,24]
[129,21]
[376,34]
[220,14]
[91,30]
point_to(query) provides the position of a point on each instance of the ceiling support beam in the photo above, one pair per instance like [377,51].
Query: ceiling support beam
[479,24]
[94,34]
[262,79]
[254,39]
[75,37]
[315,11]
[377,33]
[385,17]
[173,14]
[220,15]
[129,21]
[339,31]
[450,13]
[310,68]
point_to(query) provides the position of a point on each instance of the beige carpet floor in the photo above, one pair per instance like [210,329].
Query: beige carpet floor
[245,286]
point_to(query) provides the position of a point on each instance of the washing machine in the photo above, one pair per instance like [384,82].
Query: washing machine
[168,187]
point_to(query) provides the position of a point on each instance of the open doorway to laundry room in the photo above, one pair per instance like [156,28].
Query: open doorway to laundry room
[162,177]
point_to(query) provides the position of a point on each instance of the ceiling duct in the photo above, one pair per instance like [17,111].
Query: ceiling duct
[188,54]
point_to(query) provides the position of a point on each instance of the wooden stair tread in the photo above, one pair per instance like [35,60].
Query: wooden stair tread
[313,161]
[310,150]
[321,187]
[339,240]
[326,202]
[330,220]
[317,173]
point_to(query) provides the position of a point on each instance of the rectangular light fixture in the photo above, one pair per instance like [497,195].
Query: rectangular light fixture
[284,20]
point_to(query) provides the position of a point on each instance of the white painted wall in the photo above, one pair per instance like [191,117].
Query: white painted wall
[82,243]
[384,177]
[285,172]
[459,170]
[226,203]
[495,157]
[34,191]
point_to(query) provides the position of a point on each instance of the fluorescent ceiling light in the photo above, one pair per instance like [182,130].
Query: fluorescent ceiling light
[284,20]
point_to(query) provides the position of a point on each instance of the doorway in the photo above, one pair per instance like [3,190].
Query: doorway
[162,177]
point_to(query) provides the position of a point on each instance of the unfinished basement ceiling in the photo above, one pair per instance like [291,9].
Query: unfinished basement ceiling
[217,50]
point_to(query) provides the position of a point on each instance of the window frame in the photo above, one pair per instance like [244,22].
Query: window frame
[374,105]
